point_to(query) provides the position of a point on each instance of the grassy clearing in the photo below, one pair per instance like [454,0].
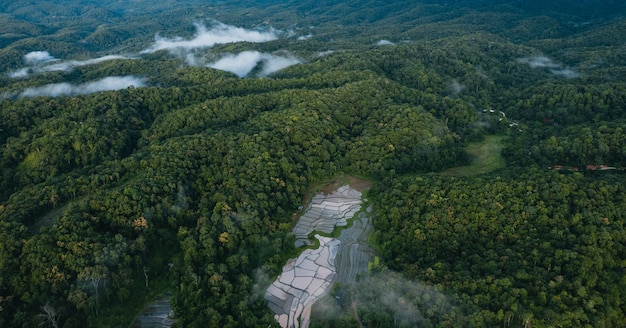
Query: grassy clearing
[485,157]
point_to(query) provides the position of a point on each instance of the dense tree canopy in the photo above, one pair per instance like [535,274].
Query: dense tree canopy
[539,247]
[189,182]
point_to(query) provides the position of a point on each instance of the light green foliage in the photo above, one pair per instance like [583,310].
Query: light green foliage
[484,157]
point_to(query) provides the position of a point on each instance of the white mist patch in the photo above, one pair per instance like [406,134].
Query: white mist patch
[305,37]
[243,63]
[545,62]
[566,73]
[384,43]
[272,64]
[207,38]
[407,303]
[456,87]
[68,89]
[32,59]
[70,65]
[325,53]
[538,61]
[20,73]
[67,66]
[37,57]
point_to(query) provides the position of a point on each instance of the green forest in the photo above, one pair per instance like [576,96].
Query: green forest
[494,133]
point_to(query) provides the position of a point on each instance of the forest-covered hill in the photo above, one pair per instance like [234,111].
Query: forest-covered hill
[152,146]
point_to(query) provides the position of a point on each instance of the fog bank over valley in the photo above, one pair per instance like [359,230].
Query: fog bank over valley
[547,63]
[42,61]
[68,89]
[243,64]
[220,33]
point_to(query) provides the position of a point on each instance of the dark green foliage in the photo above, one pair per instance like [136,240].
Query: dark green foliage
[120,172]
[579,145]
[541,247]
[191,183]
[387,299]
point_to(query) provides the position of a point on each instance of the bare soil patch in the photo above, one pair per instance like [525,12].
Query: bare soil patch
[354,182]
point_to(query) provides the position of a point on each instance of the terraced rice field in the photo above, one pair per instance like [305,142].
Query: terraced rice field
[309,277]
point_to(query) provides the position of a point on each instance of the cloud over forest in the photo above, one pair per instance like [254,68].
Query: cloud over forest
[42,61]
[36,57]
[405,302]
[547,63]
[245,62]
[384,43]
[68,89]
[220,33]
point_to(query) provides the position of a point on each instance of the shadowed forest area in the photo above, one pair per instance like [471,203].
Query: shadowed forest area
[162,146]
